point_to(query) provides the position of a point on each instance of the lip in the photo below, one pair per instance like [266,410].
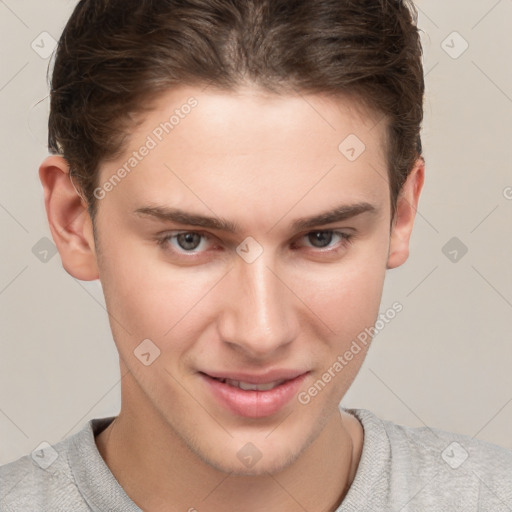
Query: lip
[252,403]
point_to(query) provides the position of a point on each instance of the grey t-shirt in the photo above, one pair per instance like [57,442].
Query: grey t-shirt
[401,469]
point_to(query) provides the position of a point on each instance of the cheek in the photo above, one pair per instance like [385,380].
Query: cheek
[348,303]
[149,298]
[346,298]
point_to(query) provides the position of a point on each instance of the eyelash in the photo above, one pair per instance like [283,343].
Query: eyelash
[346,240]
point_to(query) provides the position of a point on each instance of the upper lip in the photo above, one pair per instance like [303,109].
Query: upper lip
[261,378]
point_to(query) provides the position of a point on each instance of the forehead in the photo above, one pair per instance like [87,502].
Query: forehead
[269,119]
[209,148]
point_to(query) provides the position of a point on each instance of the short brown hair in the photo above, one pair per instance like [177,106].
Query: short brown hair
[114,55]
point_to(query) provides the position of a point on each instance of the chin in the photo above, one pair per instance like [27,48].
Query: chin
[265,466]
[273,457]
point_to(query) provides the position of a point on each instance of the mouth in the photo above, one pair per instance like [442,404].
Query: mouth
[254,396]
[248,386]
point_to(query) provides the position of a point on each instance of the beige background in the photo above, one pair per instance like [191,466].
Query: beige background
[444,361]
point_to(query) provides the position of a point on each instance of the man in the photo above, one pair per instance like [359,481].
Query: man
[240,174]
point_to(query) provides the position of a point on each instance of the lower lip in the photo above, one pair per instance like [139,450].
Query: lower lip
[254,404]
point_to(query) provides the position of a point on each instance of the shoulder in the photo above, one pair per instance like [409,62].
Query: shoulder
[459,464]
[433,466]
[25,485]
[426,444]
[43,480]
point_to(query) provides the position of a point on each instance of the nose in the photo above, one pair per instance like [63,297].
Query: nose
[257,315]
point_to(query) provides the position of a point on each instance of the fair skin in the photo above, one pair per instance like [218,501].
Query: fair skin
[261,161]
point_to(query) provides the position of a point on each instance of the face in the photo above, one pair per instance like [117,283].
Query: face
[248,243]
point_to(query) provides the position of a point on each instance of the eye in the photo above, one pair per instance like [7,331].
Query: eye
[320,238]
[323,239]
[184,242]
[188,241]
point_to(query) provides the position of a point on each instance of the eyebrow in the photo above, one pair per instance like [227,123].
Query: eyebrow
[337,214]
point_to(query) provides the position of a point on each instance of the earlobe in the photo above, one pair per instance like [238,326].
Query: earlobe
[69,220]
[407,204]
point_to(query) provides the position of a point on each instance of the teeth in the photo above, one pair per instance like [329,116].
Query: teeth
[247,386]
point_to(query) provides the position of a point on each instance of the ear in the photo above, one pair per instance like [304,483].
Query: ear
[407,204]
[69,220]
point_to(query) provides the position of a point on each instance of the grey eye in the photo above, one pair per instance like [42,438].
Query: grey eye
[320,238]
[188,241]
